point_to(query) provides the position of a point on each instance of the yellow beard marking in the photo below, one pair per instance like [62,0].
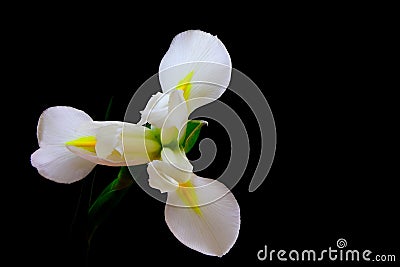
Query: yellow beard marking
[185,85]
[187,193]
[88,143]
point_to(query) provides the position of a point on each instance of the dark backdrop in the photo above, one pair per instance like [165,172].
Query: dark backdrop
[327,77]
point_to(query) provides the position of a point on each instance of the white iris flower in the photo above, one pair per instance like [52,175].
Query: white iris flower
[201,213]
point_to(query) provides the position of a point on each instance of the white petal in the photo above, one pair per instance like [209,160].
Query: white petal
[179,163]
[58,164]
[108,137]
[158,178]
[58,125]
[120,144]
[211,229]
[156,110]
[174,169]
[204,55]
[140,144]
[112,160]
[107,140]
[177,110]
[176,118]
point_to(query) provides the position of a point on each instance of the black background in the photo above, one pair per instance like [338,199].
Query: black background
[328,76]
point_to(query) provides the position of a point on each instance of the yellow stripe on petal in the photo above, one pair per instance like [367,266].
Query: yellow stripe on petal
[88,143]
[185,85]
[187,193]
